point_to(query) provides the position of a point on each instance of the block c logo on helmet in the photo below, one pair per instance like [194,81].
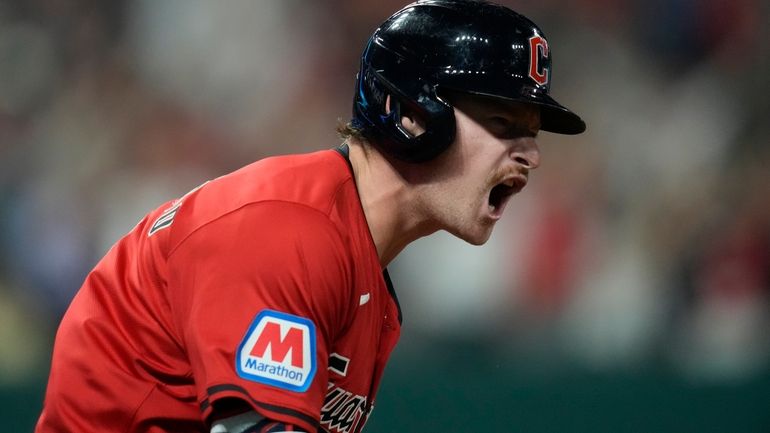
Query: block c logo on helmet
[279,349]
[538,49]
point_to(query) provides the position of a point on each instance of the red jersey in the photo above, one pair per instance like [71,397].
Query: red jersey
[263,285]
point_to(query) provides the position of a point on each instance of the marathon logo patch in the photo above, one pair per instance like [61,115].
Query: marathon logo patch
[279,349]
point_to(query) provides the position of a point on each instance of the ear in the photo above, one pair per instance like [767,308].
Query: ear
[411,122]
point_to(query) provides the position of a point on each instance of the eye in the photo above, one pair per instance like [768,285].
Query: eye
[506,127]
[499,123]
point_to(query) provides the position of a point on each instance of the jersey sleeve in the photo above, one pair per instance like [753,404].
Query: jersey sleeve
[259,296]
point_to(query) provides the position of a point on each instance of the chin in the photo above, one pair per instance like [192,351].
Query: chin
[476,236]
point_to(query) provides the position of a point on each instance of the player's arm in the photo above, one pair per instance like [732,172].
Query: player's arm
[252,422]
[259,273]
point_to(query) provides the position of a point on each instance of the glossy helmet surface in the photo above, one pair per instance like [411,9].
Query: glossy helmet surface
[463,45]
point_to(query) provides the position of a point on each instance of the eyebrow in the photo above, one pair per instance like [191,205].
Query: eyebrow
[520,109]
[520,116]
[520,112]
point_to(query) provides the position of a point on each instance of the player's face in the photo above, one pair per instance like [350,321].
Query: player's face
[490,161]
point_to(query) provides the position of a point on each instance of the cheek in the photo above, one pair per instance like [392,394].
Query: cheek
[468,130]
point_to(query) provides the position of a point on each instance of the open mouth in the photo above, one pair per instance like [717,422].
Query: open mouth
[502,192]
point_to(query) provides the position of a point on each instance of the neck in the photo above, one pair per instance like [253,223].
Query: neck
[389,202]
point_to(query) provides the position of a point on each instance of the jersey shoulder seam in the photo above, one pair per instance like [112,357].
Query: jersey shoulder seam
[245,205]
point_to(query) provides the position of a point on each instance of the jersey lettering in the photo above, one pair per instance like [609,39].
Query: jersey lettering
[343,411]
[167,217]
[339,364]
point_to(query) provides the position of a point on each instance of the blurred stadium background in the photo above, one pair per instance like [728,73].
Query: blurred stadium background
[628,288]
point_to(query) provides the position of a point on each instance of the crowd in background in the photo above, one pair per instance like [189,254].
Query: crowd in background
[646,239]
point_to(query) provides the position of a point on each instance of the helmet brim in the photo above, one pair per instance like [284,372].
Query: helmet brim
[557,118]
[554,117]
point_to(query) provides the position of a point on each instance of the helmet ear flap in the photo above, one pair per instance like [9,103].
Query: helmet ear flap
[393,114]
[372,110]
[414,126]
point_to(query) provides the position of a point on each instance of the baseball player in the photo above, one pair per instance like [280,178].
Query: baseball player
[260,301]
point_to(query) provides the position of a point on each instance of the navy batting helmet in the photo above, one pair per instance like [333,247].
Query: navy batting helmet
[463,45]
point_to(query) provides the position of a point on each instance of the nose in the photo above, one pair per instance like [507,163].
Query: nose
[526,152]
